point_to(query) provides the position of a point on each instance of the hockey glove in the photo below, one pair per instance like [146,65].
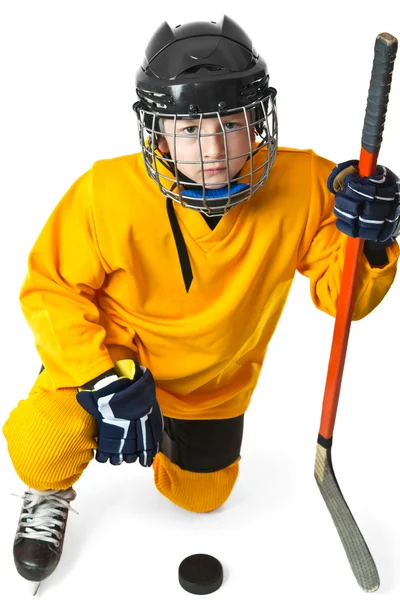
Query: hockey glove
[130,422]
[366,207]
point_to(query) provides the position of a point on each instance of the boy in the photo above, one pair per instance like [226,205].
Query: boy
[152,320]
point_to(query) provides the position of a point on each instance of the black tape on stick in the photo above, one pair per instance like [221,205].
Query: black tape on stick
[378,95]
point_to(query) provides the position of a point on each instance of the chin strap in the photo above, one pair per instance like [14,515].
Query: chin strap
[215,193]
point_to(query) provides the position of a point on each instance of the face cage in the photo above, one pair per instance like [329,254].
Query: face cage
[211,201]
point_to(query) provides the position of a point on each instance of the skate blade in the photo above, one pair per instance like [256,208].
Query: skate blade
[35,587]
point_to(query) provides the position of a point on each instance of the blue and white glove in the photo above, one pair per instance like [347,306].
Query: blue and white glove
[130,422]
[366,207]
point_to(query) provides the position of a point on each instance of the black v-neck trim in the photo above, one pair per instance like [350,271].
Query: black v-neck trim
[183,255]
[213,221]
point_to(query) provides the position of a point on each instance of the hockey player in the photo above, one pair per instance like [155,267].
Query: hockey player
[155,286]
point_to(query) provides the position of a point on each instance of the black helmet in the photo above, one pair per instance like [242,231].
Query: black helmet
[181,65]
[204,70]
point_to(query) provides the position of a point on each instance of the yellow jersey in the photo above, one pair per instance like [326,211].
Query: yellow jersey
[105,282]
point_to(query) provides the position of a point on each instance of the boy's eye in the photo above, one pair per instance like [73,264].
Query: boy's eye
[190,130]
[231,126]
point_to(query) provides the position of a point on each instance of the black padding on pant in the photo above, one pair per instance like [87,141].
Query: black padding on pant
[202,446]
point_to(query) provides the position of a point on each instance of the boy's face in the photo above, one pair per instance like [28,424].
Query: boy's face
[212,147]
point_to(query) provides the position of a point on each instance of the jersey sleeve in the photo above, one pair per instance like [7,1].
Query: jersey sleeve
[58,295]
[322,253]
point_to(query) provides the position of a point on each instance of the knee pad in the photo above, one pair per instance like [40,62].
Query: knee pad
[197,466]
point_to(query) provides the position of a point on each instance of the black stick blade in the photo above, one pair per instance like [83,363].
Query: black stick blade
[357,551]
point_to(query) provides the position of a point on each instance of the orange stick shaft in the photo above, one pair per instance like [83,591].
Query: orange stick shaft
[367,166]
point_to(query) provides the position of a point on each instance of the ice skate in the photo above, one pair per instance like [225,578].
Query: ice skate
[40,536]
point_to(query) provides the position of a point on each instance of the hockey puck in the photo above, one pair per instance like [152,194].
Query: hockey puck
[200,574]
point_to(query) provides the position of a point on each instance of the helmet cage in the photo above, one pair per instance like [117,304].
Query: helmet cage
[210,199]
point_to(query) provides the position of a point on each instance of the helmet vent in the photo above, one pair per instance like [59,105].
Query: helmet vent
[198,68]
[253,89]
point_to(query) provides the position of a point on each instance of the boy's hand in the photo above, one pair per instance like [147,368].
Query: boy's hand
[366,207]
[130,422]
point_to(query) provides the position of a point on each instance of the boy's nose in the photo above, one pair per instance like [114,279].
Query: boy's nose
[213,147]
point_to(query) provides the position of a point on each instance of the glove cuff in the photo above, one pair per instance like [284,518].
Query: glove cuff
[105,381]
[375,253]
[112,375]
[90,385]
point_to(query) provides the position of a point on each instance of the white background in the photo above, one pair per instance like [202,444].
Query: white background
[67,81]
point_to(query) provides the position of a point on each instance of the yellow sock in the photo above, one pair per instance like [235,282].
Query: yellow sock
[197,492]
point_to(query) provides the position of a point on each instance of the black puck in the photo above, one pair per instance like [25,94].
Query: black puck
[200,574]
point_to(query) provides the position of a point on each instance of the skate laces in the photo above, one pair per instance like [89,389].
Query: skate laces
[42,512]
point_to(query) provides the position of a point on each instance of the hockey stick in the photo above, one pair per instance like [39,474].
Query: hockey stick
[357,551]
